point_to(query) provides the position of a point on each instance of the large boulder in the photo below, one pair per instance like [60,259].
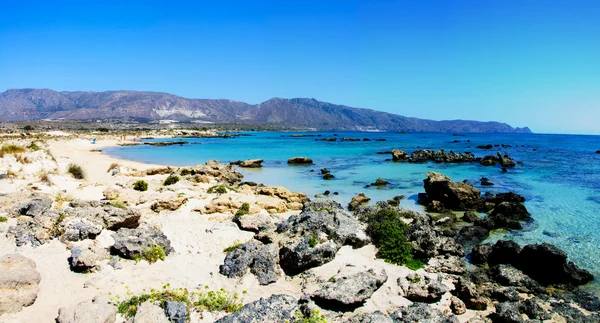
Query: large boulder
[453,195]
[480,254]
[97,311]
[399,155]
[427,242]
[358,200]
[277,308]
[251,163]
[238,261]
[77,229]
[109,216]
[504,252]
[419,312]
[421,287]
[131,243]
[548,265]
[35,207]
[19,283]
[169,205]
[266,264]
[345,293]
[176,312]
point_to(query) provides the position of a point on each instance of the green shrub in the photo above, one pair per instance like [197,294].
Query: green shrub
[118,205]
[3,219]
[103,129]
[185,172]
[219,189]
[172,179]
[234,246]
[140,185]
[153,254]
[219,301]
[386,230]
[33,146]
[314,317]
[76,171]
[28,128]
[313,241]
[243,210]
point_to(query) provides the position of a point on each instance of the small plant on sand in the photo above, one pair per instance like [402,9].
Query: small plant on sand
[186,172]
[140,185]
[244,209]
[3,219]
[76,171]
[236,244]
[217,301]
[33,147]
[112,166]
[12,174]
[11,149]
[44,177]
[314,317]
[219,189]
[118,205]
[172,179]
[56,229]
[60,199]
[154,254]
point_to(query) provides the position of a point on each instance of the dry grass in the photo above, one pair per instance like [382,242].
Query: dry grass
[12,174]
[112,166]
[44,177]
[11,149]
[23,159]
[76,171]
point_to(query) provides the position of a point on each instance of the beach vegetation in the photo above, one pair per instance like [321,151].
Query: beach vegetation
[103,129]
[172,179]
[387,231]
[3,219]
[28,128]
[140,185]
[57,229]
[151,254]
[244,209]
[236,244]
[314,317]
[219,189]
[313,241]
[112,166]
[118,205]
[11,149]
[44,177]
[33,147]
[76,171]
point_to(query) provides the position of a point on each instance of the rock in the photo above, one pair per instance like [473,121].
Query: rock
[176,312]
[282,193]
[149,312]
[375,317]
[85,259]
[504,197]
[110,194]
[266,264]
[547,264]
[486,182]
[480,254]
[507,313]
[238,261]
[115,263]
[110,217]
[77,229]
[440,156]
[507,275]
[468,293]
[457,306]
[19,283]
[170,205]
[510,211]
[533,309]
[419,312]
[346,293]
[97,311]
[453,195]
[504,252]
[298,257]
[130,243]
[470,217]
[472,234]
[507,162]
[277,308]
[35,207]
[421,288]
[299,161]
[488,146]
[447,264]
[251,163]
[255,222]
[357,201]
[426,242]
[380,182]
[399,155]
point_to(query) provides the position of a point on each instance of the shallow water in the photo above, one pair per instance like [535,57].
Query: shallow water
[559,177]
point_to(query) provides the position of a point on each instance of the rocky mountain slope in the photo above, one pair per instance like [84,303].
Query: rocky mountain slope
[38,104]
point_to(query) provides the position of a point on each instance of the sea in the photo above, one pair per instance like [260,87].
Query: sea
[559,175]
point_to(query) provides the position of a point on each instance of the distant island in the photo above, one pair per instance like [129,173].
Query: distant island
[18,105]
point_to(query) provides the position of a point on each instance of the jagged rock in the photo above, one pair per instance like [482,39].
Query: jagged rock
[547,264]
[504,197]
[380,182]
[567,312]
[440,156]
[533,309]
[35,231]
[238,261]
[375,317]
[472,234]
[358,200]
[486,182]
[457,306]
[470,217]
[84,259]
[212,168]
[19,283]
[507,313]
[510,211]
[480,254]
[266,264]
[468,293]
[282,193]
[299,161]
[504,252]
[421,288]
[447,264]
[130,243]
[345,293]
[170,205]
[176,312]
[508,275]
[149,312]
[97,311]
[110,217]
[298,257]
[277,308]
[419,312]
[35,207]
[250,163]
[453,195]
[506,294]
[115,263]
[255,222]
[77,229]
[426,242]
[399,155]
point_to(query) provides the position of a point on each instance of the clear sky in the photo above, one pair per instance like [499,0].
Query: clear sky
[526,63]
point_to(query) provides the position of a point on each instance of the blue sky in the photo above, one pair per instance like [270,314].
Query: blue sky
[526,63]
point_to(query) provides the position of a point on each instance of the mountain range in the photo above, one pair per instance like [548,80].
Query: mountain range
[134,106]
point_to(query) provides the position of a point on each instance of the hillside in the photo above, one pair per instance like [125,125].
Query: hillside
[38,104]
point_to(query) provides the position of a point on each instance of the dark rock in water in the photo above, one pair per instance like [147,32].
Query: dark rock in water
[131,243]
[480,254]
[470,217]
[328,176]
[384,152]
[597,151]
[548,265]
[488,146]
[472,234]
[326,193]
[299,161]
[486,182]
[250,163]
[399,155]
[421,288]
[380,182]
[453,195]
[277,308]
[346,293]
[440,156]
[419,312]
[426,242]
[504,197]
[508,313]
[551,234]
[176,312]
[504,252]
[238,261]
[504,170]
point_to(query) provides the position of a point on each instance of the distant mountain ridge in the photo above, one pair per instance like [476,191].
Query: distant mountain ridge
[39,104]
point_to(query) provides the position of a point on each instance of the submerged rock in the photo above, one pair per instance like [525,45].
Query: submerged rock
[299,161]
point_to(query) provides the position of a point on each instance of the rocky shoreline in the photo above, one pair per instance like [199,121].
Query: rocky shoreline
[108,248]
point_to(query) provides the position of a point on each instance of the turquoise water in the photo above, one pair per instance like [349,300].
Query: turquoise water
[559,177]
